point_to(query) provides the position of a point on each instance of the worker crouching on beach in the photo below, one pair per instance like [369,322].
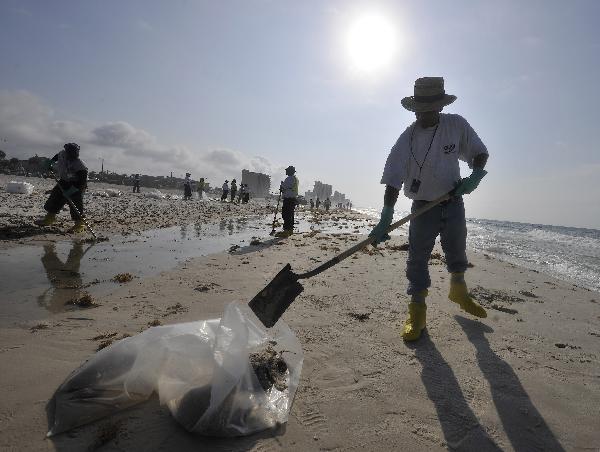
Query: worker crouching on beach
[425,160]
[289,193]
[72,178]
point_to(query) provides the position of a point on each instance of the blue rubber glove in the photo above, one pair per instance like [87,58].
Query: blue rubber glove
[379,231]
[71,191]
[468,184]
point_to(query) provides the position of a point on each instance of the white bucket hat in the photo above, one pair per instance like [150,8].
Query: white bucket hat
[429,95]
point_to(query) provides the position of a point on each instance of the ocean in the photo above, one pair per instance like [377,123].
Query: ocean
[567,253]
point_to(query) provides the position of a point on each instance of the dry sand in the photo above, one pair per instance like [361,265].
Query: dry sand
[526,378]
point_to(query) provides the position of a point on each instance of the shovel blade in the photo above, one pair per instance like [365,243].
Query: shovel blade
[271,302]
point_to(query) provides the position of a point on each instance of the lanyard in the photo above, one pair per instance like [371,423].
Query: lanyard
[428,149]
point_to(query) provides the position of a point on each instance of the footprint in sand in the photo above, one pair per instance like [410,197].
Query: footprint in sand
[310,417]
[268,445]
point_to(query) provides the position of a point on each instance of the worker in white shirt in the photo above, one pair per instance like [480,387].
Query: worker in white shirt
[289,193]
[425,161]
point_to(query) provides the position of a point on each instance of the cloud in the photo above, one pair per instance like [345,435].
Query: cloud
[29,126]
[223,158]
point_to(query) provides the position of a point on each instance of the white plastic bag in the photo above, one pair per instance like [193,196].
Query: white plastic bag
[174,197]
[113,192]
[23,188]
[213,376]
[156,194]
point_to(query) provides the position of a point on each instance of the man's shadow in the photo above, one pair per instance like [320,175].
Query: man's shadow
[461,428]
[522,422]
[64,277]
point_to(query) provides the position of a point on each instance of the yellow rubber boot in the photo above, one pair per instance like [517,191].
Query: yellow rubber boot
[49,219]
[415,322]
[460,295]
[78,227]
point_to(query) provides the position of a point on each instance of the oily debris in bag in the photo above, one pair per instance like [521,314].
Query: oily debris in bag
[270,368]
[238,408]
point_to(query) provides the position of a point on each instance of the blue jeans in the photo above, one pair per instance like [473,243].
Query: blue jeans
[446,219]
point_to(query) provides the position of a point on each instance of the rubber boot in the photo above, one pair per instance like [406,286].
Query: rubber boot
[78,227]
[416,320]
[49,219]
[460,295]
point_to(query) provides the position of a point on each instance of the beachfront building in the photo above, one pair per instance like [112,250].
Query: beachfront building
[258,184]
[339,198]
[320,190]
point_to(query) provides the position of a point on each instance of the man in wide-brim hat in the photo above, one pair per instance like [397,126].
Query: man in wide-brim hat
[425,160]
[289,193]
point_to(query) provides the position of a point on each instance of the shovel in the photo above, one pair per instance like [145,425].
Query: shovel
[275,216]
[271,302]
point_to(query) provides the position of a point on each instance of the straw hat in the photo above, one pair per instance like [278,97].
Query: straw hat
[429,95]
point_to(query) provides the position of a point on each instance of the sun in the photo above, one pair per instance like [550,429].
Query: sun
[371,43]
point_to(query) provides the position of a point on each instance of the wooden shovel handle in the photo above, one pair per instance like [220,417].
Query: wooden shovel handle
[368,241]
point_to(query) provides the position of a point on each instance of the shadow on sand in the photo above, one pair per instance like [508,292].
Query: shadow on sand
[149,427]
[461,427]
[524,425]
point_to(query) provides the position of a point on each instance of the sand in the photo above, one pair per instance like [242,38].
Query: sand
[525,378]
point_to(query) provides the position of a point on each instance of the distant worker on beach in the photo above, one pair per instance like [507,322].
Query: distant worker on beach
[136,183]
[187,187]
[200,187]
[233,190]
[289,193]
[425,160]
[327,204]
[318,203]
[72,182]
[312,204]
[225,189]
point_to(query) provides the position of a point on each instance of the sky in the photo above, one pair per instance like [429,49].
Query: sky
[212,87]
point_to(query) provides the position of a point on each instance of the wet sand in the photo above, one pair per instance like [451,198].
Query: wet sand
[525,378]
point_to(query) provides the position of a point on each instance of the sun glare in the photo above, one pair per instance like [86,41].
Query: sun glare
[371,43]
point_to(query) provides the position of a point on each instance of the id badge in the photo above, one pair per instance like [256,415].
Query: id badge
[414,187]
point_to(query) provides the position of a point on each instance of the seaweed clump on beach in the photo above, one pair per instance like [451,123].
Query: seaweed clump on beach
[123,277]
[84,301]
[270,368]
